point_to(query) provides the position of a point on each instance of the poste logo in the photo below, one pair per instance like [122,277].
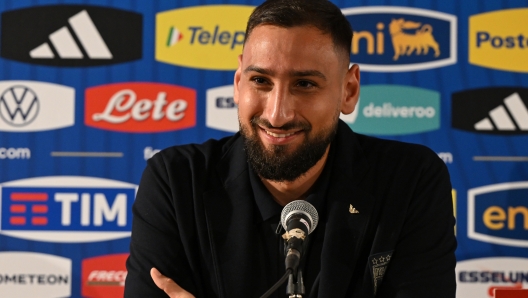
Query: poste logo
[140,107]
[497,110]
[498,214]
[66,209]
[35,106]
[480,277]
[395,110]
[221,109]
[104,276]
[499,40]
[207,37]
[392,39]
[29,274]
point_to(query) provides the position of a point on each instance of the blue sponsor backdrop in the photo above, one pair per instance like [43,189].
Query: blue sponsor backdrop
[473,159]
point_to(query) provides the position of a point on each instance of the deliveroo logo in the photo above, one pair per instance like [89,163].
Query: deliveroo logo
[395,110]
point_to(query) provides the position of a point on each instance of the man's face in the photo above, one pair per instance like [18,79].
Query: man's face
[290,87]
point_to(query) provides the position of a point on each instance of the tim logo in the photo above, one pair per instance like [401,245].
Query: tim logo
[66,209]
[499,111]
[140,107]
[393,39]
[71,35]
[33,106]
[498,214]
[104,276]
[221,109]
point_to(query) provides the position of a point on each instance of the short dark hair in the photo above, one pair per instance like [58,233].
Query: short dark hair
[322,14]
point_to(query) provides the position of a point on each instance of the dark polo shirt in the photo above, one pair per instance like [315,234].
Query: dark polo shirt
[268,219]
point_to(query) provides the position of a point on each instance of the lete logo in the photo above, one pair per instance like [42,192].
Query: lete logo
[140,107]
[66,209]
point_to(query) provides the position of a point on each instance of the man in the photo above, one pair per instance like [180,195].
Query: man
[205,215]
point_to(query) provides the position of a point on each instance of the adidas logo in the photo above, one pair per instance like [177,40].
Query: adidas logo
[65,45]
[501,120]
[71,35]
[497,110]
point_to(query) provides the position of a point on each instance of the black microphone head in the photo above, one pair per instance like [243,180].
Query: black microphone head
[303,208]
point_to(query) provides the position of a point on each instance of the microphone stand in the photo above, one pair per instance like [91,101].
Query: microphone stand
[295,290]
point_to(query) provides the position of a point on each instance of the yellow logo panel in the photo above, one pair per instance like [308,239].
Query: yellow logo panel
[499,40]
[206,37]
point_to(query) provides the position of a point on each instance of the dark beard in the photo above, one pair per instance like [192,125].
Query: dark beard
[277,164]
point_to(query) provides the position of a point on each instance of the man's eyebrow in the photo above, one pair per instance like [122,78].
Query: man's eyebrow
[258,69]
[294,73]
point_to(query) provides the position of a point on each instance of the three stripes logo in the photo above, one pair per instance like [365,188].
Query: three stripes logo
[28,208]
[500,111]
[71,35]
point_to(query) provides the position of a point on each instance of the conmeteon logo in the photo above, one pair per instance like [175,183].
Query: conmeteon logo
[498,214]
[499,111]
[140,107]
[499,40]
[35,106]
[104,276]
[66,209]
[221,109]
[392,39]
[29,274]
[71,35]
[395,110]
[480,277]
[206,37]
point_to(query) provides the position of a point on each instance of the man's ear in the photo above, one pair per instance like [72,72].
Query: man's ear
[351,95]
[238,74]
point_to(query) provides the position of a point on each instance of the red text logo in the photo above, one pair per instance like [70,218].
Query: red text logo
[140,107]
[104,276]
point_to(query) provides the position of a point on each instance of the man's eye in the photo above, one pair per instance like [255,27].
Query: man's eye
[305,84]
[259,80]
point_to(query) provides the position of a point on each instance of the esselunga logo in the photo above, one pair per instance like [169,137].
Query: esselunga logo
[206,37]
[393,39]
[140,107]
[499,40]
[221,109]
[66,209]
[395,110]
[480,277]
[30,274]
[498,214]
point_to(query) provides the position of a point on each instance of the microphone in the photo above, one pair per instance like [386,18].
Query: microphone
[298,218]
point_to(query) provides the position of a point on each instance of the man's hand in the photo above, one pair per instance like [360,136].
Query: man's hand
[168,285]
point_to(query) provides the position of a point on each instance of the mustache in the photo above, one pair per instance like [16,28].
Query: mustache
[287,126]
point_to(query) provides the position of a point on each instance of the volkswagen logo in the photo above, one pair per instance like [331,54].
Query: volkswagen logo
[19,106]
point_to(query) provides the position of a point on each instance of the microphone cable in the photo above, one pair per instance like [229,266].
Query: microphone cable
[277,284]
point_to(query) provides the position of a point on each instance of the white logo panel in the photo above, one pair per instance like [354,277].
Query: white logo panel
[35,106]
[222,112]
[28,275]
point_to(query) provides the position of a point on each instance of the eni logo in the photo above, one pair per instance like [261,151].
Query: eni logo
[204,37]
[406,43]
[394,39]
[499,40]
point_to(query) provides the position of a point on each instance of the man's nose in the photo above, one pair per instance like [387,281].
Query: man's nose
[279,108]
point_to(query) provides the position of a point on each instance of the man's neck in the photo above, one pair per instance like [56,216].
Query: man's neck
[285,192]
